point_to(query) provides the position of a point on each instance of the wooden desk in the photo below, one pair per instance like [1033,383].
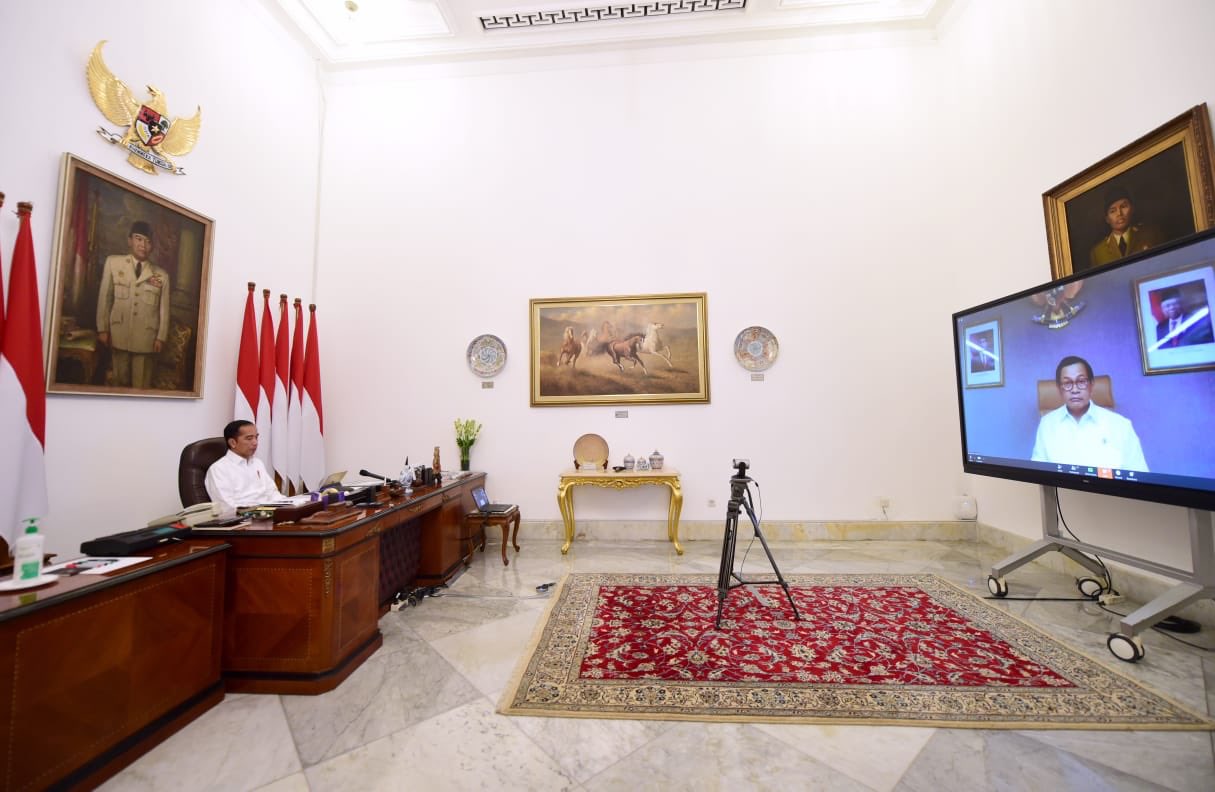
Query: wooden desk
[626,479]
[96,670]
[304,602]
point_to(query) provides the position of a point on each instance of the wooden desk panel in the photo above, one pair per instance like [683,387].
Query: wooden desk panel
[96,670]
[303,601]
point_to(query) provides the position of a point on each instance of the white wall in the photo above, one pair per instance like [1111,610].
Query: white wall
[112,462]
[847,197]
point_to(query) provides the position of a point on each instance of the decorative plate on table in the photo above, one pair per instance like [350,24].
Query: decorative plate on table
[755,348]
[590,449]
[486,355]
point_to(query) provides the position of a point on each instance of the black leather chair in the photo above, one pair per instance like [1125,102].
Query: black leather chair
[192,469]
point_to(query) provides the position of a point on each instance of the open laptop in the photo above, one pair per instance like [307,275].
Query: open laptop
[483,504]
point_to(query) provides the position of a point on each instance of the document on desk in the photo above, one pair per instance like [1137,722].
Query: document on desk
[94,565]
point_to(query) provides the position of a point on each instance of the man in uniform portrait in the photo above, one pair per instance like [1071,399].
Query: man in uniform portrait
[1125,236]
[133,310]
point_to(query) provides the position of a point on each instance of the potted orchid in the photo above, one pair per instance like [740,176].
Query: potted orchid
[466,435]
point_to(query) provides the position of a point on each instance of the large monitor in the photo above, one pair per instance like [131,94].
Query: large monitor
[1141,423]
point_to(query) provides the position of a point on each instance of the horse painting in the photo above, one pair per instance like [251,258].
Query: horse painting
[654,345]
[627,349]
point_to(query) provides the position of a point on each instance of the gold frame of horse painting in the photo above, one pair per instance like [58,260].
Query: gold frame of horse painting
[651,349]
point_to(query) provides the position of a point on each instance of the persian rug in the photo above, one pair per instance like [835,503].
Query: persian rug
[909,650]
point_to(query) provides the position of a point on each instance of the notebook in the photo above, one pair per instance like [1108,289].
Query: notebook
[483,504]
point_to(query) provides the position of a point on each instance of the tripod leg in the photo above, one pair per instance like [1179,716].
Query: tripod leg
[768,551]
[729,539]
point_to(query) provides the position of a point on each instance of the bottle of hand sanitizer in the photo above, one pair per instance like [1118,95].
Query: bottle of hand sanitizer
[27,554]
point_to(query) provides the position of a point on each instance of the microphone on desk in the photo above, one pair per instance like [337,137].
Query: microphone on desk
[369,474]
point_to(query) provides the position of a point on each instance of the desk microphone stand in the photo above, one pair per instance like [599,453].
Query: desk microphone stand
[740,498]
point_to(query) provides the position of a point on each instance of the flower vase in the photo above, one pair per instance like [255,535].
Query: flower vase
[464,458]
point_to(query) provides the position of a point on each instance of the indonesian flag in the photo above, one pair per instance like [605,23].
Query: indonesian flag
[245,408]
[22,392]
[265,388]
[312,443]
[282,372]
[295,395]
[1,292]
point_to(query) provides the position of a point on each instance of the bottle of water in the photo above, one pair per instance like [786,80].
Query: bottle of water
[27,553]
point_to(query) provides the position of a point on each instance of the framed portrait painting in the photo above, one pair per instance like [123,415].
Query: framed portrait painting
[1157,189]
[619,350]
[984,360]
[129,282]
[1175,323]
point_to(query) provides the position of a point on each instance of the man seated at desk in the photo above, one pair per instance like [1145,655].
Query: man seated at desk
[238,478]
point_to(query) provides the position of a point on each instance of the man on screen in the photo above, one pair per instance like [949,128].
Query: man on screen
[1082,433]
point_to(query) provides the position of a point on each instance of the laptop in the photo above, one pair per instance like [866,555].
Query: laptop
[483,504]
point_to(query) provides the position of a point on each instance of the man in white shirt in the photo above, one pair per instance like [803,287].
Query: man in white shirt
[239,478]
[1082,433]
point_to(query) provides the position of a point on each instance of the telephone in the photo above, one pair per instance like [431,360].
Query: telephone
[190,516]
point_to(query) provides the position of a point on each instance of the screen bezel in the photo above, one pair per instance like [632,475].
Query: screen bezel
[1155,493]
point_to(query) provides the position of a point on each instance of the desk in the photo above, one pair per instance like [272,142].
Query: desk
[304,601]
[96,670]
[626,479]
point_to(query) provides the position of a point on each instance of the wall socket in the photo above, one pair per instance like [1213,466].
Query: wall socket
[712,503]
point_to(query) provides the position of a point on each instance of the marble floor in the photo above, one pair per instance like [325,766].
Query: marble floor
[419,714]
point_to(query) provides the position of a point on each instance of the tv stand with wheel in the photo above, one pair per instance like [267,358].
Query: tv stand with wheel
[1125,644]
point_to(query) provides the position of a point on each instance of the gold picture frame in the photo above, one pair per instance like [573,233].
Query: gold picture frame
[650,349]
[110,331]
[1167,179]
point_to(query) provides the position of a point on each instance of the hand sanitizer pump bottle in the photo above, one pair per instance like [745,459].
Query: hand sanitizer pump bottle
[27,553]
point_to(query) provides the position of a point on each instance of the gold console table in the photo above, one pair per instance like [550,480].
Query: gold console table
[626,479]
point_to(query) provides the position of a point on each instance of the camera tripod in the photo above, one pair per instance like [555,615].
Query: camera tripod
[740,499]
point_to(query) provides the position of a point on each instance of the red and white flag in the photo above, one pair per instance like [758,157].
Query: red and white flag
[22,392]
[312,443]
[245,408]
[1,292]
[265,388]
[295,396]
[282,372]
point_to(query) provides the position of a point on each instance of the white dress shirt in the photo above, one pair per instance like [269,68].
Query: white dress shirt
[235,481]
[1101,438]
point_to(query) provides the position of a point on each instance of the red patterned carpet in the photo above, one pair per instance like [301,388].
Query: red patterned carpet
[911,649]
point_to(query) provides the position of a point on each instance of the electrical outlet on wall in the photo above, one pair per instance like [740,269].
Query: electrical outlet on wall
[712,503]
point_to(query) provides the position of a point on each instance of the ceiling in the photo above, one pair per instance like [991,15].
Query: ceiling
[353,32]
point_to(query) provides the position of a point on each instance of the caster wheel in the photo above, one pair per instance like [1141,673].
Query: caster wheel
[1128,650]
[413,601]
[997,586]
[1090,587]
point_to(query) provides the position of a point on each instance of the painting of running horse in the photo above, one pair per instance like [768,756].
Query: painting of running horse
[619,350]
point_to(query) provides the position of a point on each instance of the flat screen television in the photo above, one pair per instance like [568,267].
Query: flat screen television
[1142,423]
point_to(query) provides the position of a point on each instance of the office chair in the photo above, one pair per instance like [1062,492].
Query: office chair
[1049,398]
[192,469]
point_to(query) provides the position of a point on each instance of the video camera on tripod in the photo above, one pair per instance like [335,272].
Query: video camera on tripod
[740,500]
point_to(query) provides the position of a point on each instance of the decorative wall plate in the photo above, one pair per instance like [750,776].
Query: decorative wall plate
[590,449]
[486,355]
[755,348]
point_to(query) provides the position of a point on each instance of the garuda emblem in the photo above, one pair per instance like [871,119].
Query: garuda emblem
[151,137]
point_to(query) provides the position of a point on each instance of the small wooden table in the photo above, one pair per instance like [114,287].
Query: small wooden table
[476,522]
[625,479]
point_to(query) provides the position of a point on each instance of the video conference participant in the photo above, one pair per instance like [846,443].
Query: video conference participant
[1082,433]
[238,478]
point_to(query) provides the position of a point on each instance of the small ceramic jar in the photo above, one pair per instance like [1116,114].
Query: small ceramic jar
[656,461]
[628,462]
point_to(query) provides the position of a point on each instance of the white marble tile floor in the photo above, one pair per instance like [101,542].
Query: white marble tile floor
[419,714]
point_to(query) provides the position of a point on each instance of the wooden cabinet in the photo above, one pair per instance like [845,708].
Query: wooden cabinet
[97,670]
[442,536]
